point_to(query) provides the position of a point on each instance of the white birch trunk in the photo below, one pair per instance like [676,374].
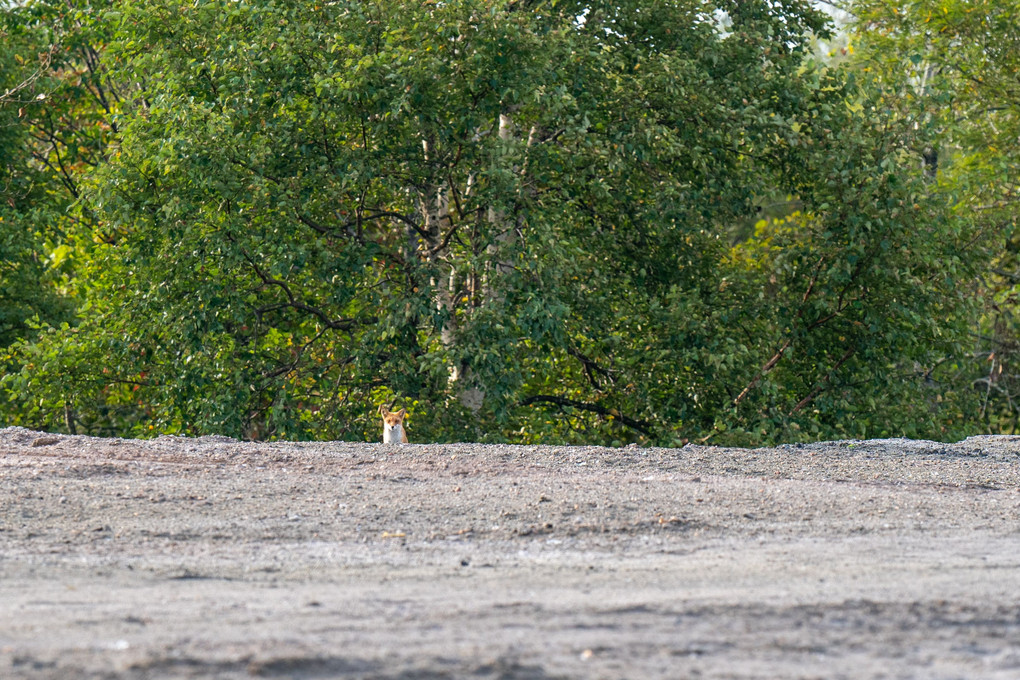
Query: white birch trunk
[435,209]
[503,233]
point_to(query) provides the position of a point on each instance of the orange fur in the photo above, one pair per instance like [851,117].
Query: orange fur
[393,426]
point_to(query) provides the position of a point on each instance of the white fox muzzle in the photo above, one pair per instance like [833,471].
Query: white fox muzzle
[392,434]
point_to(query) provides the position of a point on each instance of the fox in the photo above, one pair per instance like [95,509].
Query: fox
[393,431]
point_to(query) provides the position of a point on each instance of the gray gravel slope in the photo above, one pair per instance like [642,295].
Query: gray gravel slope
[209,557]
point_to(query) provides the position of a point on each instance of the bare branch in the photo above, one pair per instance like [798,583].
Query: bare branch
[335,324]
[9,95]
[820,387]
[639,425]
[591,367]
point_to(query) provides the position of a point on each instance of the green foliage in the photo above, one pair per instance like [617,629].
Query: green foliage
[948,69]
[535,222]
[55,124]
[28,279]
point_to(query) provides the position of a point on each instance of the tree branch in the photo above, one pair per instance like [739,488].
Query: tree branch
[335,324]
[840,306]
[769,365]
[399,217]
[591,367]
[820,387]
[44,65]
[639,425]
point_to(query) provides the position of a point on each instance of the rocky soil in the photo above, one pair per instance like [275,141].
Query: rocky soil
[212,558]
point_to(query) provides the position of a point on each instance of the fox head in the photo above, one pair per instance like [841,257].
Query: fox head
[393,426]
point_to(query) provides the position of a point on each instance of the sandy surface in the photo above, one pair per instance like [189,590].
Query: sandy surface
[214,558]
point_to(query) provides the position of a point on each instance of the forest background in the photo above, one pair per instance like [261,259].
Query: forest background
[529,221]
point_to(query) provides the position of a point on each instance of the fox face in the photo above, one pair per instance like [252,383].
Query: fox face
[393,426]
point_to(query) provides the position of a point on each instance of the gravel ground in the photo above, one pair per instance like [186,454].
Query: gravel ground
[208,557]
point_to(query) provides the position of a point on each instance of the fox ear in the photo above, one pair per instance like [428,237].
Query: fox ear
[402,412]
[382,409]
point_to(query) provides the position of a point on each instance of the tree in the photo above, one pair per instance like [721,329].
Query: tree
[950,67]
[57,113]
[683,228]
[29,275]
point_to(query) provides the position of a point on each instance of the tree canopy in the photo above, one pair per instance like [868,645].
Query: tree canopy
[522,221]
[949,68]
